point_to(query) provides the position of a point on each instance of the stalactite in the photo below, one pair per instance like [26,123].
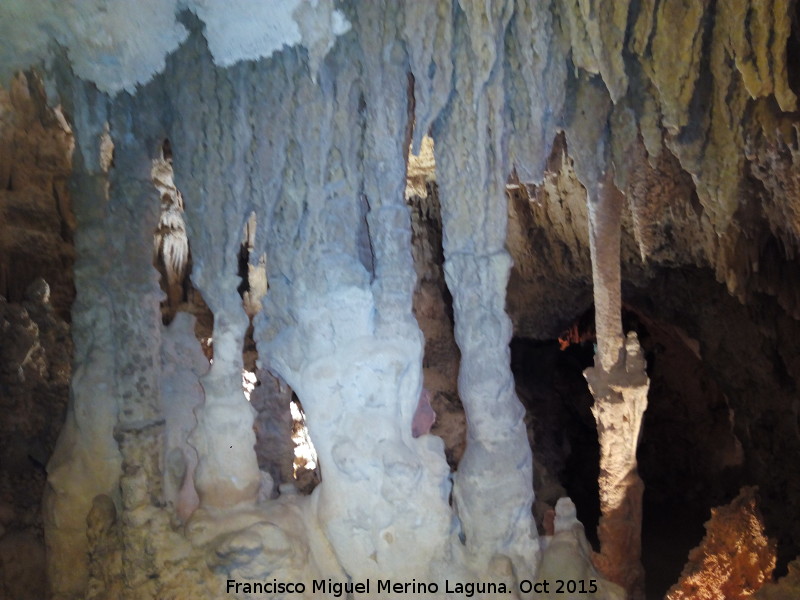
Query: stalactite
[604,227]
[429,37]
[535,85]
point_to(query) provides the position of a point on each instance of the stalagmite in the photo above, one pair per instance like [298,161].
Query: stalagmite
[619,384]
[183,363]
[227,471]
[568,555]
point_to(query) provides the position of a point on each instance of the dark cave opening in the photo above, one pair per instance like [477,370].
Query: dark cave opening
[748,348]
[561,428]
[243,258]
[689,458]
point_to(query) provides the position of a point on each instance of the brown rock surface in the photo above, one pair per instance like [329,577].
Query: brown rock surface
[35,353]
[36,220]
[786,588]
[734,559]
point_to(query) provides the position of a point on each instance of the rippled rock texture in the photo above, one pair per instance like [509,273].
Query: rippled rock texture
[624,157]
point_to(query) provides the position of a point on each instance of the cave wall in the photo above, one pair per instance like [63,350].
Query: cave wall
[36,222]
[34,389]
[36,291]
[433,310]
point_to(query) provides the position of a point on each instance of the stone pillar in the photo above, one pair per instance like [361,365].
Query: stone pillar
[112,441]
[135,294]
[211,144]
[337,324]
[619,384]
[495,474]
[86,461]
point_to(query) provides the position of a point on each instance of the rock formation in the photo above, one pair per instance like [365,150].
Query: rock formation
[786,588]
[734,559]
[383,211]
[619,384]
[34,383]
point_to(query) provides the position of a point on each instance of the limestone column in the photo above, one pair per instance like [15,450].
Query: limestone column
[495,474]
[86,460]
[211,145]
[327,182]
[619,384]
[407,462]
[136,294]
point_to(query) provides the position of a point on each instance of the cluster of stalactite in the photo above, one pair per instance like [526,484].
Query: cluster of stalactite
[629,149]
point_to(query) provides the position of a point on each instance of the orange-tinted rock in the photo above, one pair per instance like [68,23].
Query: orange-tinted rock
[735,557]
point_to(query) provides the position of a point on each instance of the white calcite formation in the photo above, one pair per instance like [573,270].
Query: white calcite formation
[476,268]
[568,557]
[302,114]
[120,45]
[183,363]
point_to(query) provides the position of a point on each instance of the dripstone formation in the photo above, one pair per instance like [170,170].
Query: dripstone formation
[497,253]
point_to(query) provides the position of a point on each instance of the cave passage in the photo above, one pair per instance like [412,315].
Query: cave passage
[562,431]
[563,157]
[688,456]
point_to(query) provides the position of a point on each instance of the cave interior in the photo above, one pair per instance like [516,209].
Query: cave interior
[452,295]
